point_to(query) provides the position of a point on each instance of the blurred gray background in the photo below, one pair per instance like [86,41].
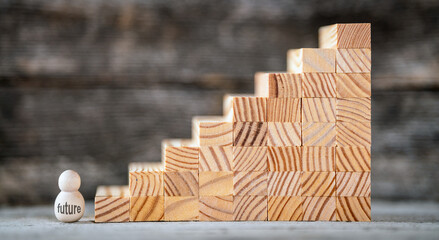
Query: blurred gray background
[93,85]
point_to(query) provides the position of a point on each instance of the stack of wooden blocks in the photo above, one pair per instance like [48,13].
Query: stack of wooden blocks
[296,150]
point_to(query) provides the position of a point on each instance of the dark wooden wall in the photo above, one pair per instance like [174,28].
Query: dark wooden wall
[93,85]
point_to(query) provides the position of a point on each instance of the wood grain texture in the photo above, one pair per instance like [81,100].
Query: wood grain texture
[318,184]
[181,158]
[146,179]
[319,109]
[216,183]
[353,134]
[318,134]
[319,85]
[112,204]
[353,85]
[350,184]
[319,209]
[250,159]
[278,85]
[181,183]
[318,159]
[216,159]
[354,110]
[285,208]
[352,35]
[353,209]
[249,109]
[146,209]
[284,109]
[352,159]
[306,60]
[216,208]
[181,208]
[212,131]
[284,134]
[285,183]
[250,208]
[284,158]
[250,134]
[250,183]
[354,60]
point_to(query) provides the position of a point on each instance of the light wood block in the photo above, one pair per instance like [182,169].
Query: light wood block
[353,85]
[353,60]
[319,109]
[216,208]
[250,183]
[318,184]
[245,109]
[284,183]
[112,204]
[318,159]
[147,209]
[319,209]
[146,179]
[353,184]
[212,131]
[285,208]
[354,110]
[250,134]
[250,208]
[284,134]
[353,134]
[318,85]
[353,209]
[216,159]
[216,183]
[181,208]
[250,159]
[181,183]
[278,85]
[352,159]
[318,134]
[283,109]
[352,35]
[284,159]
[181,158]
[311,60]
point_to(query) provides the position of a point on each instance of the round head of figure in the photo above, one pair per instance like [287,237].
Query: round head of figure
[69,181]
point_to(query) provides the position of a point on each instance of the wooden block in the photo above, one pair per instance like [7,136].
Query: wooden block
[245,109]
[318,134]
[353,85]
[354,110]
[216,183]
[353,209]
[319,85]
[319,209]
[352,159]
[181,183]
[353,134]
[181,208]
[250,134]
[352,35]
[284,183]
[216,159]
[212,131]
[353,184]
[285,209]
[175,142]
[278,85]
[216,208]
[318,184]
[112,204]
[283,109]
[181,158]
[250,183]
[146,179]
[147,209]
[311,60]
[250,159]
[284,159]
[318,109]
[250,208]
[353,60]
[318,159]
[284,134]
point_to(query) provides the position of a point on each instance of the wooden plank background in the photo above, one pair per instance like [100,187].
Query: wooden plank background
[93,85]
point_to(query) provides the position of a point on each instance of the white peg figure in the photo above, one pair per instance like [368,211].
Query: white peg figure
[69,204]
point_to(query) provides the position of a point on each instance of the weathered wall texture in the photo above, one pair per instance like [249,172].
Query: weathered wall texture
[93,85]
